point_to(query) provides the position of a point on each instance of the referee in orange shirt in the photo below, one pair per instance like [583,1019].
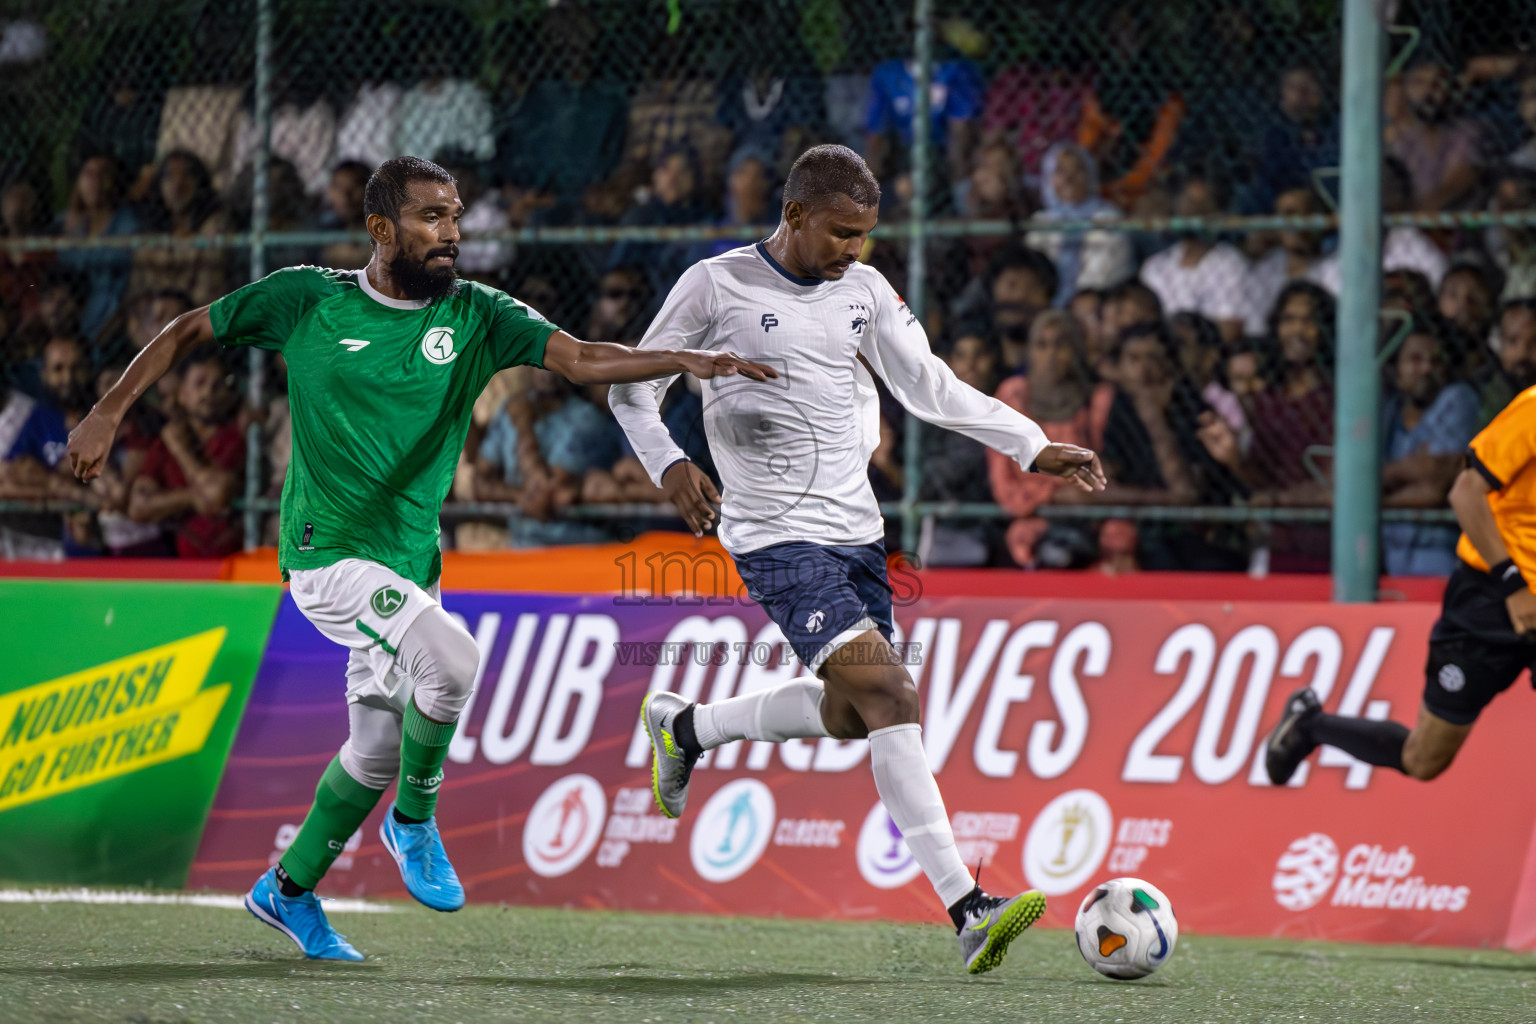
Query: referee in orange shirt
[1486,634]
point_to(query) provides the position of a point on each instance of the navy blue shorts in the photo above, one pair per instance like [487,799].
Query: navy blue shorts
[821,596]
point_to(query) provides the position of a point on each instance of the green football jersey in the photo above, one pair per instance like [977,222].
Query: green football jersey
[380,392]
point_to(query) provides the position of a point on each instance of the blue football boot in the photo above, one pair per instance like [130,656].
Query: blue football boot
[300,918]
[418,849]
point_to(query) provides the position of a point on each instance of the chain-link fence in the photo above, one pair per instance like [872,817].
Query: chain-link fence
[1117,217]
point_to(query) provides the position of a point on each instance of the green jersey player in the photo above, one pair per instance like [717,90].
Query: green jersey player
[384,365]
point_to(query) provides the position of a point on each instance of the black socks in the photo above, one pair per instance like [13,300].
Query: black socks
[957,912]
[402,819]
[287,886]
[683,734]
[1378,743]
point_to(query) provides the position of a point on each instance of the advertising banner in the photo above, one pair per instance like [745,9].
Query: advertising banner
[1073,740]
[118,703]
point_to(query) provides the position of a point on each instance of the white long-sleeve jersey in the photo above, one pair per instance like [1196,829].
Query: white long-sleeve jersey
[793,453]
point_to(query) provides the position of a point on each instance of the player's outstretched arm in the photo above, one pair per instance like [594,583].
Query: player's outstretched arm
[90,442]
[601,362]
[896,349]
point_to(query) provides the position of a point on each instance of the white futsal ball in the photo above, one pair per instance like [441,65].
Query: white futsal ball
[1126,928]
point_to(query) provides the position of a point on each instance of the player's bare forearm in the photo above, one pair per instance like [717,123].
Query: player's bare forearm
[1469,499]
[601,362]
[90,442]
[169,347]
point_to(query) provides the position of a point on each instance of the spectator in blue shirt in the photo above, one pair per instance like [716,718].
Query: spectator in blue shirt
[1303,137]
[956,96]
[538,447]
[1426,425]
[749,199]
[35,467]
[673,201]
[96,210]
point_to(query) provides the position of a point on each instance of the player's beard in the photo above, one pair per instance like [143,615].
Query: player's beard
[417,281]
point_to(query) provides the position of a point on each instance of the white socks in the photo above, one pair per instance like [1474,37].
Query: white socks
[777,713]
[911,797]
[902,776]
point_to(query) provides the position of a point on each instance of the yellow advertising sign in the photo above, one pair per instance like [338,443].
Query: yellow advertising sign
[110,720]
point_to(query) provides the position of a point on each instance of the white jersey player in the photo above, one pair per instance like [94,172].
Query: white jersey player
[798,515]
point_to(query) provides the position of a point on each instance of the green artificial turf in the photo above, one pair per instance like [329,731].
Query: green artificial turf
[77,962]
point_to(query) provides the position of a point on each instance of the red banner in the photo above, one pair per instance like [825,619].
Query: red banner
[1073,740]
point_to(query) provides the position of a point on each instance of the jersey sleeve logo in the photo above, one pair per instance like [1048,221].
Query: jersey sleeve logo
[437,346]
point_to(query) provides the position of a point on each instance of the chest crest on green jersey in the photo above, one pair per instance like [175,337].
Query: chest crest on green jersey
[437,346]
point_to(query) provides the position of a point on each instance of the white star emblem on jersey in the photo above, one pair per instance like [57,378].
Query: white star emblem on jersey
[353,344]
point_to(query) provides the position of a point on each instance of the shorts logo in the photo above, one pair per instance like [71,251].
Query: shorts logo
[1068,841]
[814,620]
[733,830]
[564,825]
[1305,871]
[437,346]
[884,860]
[386,601]
[1452,678]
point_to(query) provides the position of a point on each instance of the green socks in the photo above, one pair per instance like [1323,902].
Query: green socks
[423,749]
[341,804]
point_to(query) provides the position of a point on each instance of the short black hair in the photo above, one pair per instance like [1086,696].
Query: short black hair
[825,172]
[356,167]
[1014,256]
[1214,181]
[1156,330]
[1491,279]
[1134,288]
[1527,303]
[386,189]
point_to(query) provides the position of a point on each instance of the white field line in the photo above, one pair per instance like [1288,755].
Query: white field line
[124,896]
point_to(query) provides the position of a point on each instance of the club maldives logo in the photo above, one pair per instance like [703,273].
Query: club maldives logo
[1305,871]
[1067,842]
[733,830]
[1368,876]
[884,860]
[564,825]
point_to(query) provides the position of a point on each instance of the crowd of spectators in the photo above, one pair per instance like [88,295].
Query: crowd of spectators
[1199,364]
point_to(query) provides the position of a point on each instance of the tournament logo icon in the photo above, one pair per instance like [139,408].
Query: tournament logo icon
[733,830]
[564,825]
[1306,871]
[884,860]
[1068,841]
[437,346]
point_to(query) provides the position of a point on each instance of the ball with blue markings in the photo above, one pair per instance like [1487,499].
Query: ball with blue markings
[1126,928]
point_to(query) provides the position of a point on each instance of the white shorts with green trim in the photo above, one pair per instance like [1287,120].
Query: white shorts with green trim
[366,608]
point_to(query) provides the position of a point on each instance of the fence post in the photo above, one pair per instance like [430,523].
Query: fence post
[259,208]
[1357,462]
[917,256]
